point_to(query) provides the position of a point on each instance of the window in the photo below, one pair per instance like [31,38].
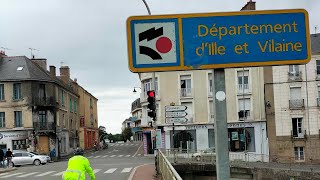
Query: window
[244,108]
[297,127]
[318,66]
[63,123]
[293,69]
[185,85]
[17,91]
[75,106]
[210,84]
[91,103]
[18,118]
[42,118]
[243,81]
[211,138]
[42,91]
[295,93]
[71,105]
[62,97]
[1,92]
[2,120]
[147,84]
[18,145]
[299,153]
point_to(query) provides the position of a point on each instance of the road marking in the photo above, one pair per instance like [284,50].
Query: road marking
[90,156]
[2,174]
[137,150]
[139,154]
[128,155]
[113,156]
[111,170]
[10,175]
[58,174]
[97,157]
[105,156]
[120,155]
[121,144]
[96,170]
[116,145]
[125,170]
[46,173]
[29,174]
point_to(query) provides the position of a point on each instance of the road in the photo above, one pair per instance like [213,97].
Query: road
[116,162]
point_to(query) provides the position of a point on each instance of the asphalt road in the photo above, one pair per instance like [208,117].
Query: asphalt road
[114,163]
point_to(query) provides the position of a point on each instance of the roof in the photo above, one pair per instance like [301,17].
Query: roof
[315,43]
[29,71]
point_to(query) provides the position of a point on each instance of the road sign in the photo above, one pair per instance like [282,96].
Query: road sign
[175,108]
[176,120]
[176,114]
[218,40]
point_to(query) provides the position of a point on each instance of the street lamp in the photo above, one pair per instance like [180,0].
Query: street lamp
[134,89]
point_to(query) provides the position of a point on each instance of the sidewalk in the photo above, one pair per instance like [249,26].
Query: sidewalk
[3,170]
[144,172]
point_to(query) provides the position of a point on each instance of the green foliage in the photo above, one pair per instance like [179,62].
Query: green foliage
[127,133]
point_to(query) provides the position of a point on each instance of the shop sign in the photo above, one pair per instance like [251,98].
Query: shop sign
[22,135]
[238,125]
[199,127]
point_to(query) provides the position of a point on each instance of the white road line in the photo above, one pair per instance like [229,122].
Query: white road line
[97,157]
[29,174]
[121,144]
[125,170]
[2,174]
[10,175]
[46,173]
[137,150]
[113,156]
[105,156]
[120,155]
[139,154]
[89,156]
[111,170]
[58,174]
[128,155]
[116,145]
[96,170]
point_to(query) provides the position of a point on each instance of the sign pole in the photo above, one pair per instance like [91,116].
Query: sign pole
[220,124]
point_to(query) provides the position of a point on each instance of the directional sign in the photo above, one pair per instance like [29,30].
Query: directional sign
[176,120]
[176,108]
[218,40]
[176,114]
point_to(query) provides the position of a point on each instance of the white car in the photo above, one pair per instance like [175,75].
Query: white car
[207,155]
[24,158]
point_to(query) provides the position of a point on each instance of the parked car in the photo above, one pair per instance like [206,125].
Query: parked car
[24,158]
[207,155]
[48,157]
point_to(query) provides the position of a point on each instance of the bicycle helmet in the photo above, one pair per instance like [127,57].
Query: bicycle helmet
[78,151]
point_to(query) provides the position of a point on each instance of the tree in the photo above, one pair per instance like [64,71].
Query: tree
[127,133]
[102,133]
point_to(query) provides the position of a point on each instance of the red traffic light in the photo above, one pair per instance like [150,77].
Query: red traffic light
[151,93]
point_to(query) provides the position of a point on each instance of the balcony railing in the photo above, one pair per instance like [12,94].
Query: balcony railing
[44,101]
[296,103]
[295,76]
[243,88]
[43,126]
[318,101]
[186,92]
[244,114]
[297,135]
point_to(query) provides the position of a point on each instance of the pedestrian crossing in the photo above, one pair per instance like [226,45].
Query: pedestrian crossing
[113,156]
[135,144]
[57,173]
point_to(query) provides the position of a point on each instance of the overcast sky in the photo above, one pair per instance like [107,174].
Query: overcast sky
[90,37]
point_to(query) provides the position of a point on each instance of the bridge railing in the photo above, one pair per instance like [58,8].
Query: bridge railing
[166,169]
[189,156]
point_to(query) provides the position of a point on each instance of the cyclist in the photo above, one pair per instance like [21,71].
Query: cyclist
[78,165]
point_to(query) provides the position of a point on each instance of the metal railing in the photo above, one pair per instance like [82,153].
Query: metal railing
[44,126]
[295,75]
[44,101]
[178,155]
[186,92]
[243,88]
[296,103]
[166,169]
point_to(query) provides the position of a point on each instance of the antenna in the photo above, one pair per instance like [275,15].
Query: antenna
[32,49]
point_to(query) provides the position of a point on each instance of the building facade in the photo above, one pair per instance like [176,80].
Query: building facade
[292,106]
[136,116]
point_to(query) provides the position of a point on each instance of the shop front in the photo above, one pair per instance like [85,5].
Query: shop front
[15,140]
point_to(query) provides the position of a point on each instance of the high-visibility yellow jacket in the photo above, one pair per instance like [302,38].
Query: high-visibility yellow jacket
[77,167]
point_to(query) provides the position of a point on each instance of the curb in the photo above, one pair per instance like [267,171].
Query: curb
[7,170]
[134,171]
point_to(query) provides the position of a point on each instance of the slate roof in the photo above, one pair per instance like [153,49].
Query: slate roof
[30,71]
[315,43]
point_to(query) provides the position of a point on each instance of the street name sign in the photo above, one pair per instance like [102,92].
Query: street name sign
[176,120]
[176,114]
[175,108]
[218,40]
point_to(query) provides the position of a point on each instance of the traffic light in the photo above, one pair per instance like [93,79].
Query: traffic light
[152,104]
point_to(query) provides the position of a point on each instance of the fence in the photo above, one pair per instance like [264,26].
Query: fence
[166,169]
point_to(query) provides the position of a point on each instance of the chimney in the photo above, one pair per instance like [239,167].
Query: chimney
[65,74]
[52,71]
[41,62]
[249,6]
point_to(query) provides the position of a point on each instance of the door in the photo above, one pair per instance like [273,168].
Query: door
[26,158]
[43,144]
[17,159]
